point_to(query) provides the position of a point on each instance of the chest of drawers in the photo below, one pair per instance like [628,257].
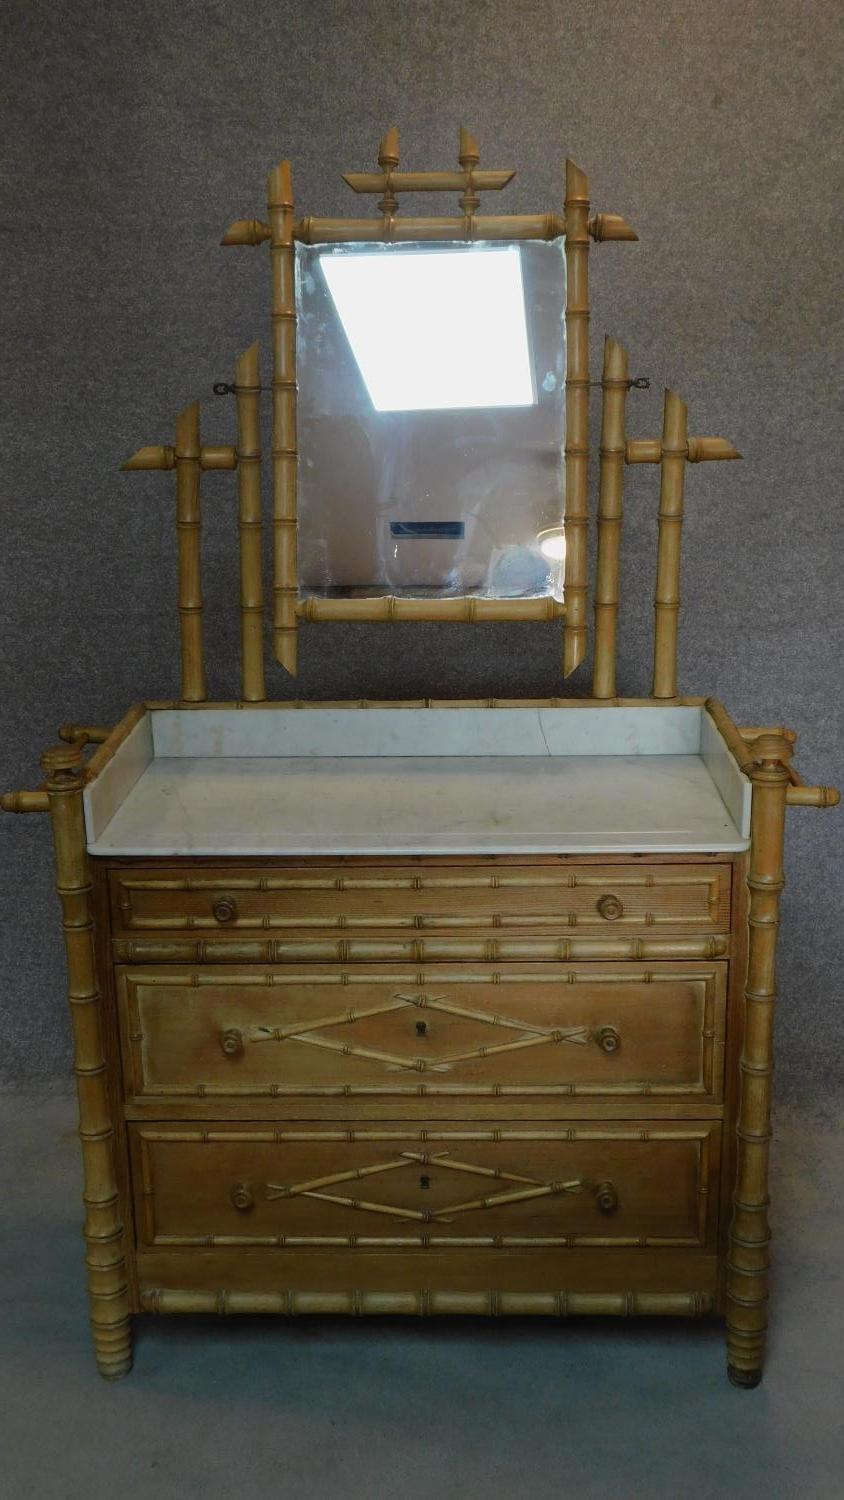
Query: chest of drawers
[467,1085]
[441,1078]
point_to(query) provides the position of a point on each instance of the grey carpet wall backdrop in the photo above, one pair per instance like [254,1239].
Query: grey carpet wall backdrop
[134,133]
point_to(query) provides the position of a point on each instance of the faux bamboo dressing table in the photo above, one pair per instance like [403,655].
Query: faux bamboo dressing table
[436,1007]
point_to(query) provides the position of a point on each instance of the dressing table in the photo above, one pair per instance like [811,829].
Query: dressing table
[437,1007]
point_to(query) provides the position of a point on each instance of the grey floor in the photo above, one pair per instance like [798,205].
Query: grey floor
[331,1408]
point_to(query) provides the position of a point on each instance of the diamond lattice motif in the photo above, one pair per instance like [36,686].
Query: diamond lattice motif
[530,1034]
[528,1187]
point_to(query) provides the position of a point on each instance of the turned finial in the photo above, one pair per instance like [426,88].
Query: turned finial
[770,749]
[61,758]
[469,154]
[388,151]
[280,186]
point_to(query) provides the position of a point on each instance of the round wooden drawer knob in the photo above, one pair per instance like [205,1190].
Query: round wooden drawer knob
[224,909]
[231,1041]
[606,1197]
[610,908]
[241,1196]
[608,1039]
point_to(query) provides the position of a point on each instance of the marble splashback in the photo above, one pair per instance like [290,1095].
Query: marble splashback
[109,791]
[331,732]
[734,786]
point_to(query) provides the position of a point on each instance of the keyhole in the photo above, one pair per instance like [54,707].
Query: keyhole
[424,1181]
[421,1028]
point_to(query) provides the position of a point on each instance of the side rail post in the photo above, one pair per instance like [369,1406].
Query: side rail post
[747,1267]
[104,1236]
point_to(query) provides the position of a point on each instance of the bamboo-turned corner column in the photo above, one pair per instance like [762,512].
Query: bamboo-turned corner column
[248,397]
[104,1235]
[614,383]
[284,455]
[747,1267]
[576,517]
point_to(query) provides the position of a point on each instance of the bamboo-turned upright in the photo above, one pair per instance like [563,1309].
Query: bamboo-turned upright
[284,454]
[672,479]
[388,160]
[747,1267]
[189,457]
[189,529]
[469,158]
[248,397]
[104,1234]
[614,382]
[577,415]
[672,452]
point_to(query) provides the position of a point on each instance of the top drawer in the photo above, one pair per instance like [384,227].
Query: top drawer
[528,899]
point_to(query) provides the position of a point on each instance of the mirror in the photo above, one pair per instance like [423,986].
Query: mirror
[431,419]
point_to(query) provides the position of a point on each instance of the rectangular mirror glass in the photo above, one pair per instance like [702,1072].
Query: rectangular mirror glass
[431,419]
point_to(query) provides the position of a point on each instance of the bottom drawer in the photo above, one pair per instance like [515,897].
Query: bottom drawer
[399,1188]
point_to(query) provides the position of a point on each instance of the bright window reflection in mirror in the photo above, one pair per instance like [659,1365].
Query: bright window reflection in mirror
[431,419]
[417,303]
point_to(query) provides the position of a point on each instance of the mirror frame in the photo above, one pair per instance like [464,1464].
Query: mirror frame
[283,230]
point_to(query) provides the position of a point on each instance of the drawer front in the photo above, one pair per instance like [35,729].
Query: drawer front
[402,1188]
[514,899]
[560,1030]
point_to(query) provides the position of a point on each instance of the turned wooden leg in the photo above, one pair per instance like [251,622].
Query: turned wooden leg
[105,1258]
[747,1268]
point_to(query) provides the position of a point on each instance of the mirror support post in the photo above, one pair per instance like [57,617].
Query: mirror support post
[284,454]
[610,492]
[576,517]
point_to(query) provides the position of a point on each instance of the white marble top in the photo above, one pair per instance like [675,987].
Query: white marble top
[322,781]
[406,805]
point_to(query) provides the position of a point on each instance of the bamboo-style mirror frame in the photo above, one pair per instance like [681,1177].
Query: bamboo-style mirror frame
[282,230]
[189,456]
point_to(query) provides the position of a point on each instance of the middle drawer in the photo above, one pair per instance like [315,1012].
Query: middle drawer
[551,1030]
